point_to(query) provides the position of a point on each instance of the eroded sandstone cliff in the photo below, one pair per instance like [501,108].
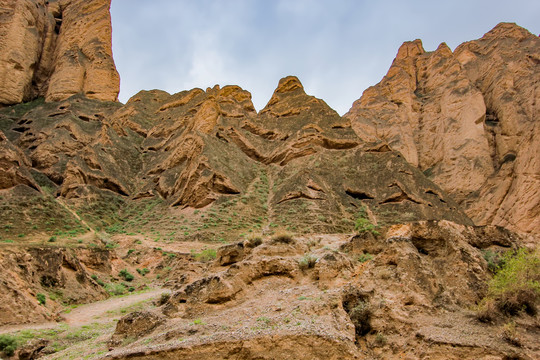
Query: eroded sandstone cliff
[468,119]
[55,49]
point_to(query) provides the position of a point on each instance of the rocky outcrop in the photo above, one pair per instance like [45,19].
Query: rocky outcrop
[405,293]
[14,166]
[44,270]
[467,120]
[55,49]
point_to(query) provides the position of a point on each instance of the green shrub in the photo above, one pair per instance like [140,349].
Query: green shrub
[516,286]
[8,344]
[126,275]
[41,298]
[363,225]
[143,271]
[98,280]
[52,239]
[495,260]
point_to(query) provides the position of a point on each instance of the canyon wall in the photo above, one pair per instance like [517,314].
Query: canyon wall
[55,49]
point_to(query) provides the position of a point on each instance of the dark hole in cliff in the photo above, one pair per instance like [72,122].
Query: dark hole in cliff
[48,281]
[359,195]
[357,306]
[84,118]
[20,129]
[491,119]
[113,187]
[507,158]
[398,198]
[58,23]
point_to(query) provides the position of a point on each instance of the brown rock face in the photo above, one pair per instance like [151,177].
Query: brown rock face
[56,49]
[467,119]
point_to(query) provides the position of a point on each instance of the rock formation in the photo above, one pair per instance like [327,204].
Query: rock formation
[55,49]
[468,120]
[210,149]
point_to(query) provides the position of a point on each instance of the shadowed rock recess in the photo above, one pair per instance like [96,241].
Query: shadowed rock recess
[432,165]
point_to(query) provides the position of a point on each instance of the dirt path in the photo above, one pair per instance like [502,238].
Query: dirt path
[98,312]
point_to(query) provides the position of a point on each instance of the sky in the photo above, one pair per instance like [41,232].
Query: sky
[337,48]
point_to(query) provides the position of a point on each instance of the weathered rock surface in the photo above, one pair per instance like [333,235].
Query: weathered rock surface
[56,49]
[468,120]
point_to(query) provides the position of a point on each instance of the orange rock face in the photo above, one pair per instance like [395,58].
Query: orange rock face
[467,120]
[56,49]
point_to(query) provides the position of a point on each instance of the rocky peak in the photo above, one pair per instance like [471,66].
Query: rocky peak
[508,30]
[410,49]
[288,83]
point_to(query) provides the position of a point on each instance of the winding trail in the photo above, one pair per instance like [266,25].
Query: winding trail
[97,312]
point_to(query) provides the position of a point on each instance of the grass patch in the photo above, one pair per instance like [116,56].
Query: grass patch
[206,255]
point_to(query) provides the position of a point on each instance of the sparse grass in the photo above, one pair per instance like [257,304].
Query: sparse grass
[64,337]
[380,340]
[365,257]
[509,334]
[253,241]
[115,289]
[164,298]
[282,238]
[308,261]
